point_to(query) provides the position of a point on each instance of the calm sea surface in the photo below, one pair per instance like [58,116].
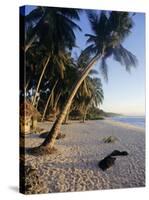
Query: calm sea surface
[133,120]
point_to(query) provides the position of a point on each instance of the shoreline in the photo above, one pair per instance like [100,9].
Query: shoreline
[107,120]
[124,124]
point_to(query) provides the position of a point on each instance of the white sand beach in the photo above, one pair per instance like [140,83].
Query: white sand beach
[74,167]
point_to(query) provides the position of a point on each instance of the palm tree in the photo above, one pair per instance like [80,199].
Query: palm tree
[90,94]
[61,86]
[55,30]
[45,20]
[90,91]
[59,61]
[109,33]
[95,97]
[50,97]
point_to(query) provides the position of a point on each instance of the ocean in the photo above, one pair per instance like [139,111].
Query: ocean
[133,120]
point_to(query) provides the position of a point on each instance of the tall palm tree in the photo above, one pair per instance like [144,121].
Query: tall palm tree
[61,86]
[109,33]
[46,19]
[54,28]
[59,61]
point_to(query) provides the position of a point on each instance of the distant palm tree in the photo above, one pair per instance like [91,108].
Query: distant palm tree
[96,95]
[88,95]
[90,92]
[109,33]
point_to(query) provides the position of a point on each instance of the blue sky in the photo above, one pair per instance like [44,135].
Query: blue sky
[125,92]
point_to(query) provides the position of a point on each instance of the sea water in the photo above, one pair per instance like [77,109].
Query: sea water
[133,120]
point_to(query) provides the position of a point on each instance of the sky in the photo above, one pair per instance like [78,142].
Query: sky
[124,92]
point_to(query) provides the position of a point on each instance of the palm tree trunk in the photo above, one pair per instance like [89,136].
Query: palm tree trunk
[84,115]
[26,86]
[37,102]
[85,111]
[56,100]
[55,108]
[40,79]
[30,43]
[66,117]
[48,143]
[48,101]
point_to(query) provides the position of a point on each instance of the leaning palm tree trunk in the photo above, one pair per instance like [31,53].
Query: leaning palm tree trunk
[55,107]
[27,84]
[48,143]
[40,79]
[45,110]
[30,43]
[66,117]
[56,100]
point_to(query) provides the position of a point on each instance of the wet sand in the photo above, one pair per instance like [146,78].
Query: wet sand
[74,167]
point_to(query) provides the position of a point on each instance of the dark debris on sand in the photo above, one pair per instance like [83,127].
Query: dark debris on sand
[109,160]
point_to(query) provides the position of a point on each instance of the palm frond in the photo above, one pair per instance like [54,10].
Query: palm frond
[71,13]
[93,72]
[125,57]
[91,38]
[70,22]
[90,50]
[104,69]
[34,15]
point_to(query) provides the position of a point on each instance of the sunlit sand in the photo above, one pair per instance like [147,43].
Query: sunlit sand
[74,167]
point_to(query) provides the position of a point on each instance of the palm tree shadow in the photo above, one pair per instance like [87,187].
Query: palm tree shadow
[43,135]
[30,151]
[36,151]
[59,136]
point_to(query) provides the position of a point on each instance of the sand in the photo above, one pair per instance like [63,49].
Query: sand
[75,166]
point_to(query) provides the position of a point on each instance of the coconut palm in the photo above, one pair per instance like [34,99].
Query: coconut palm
[54,22]
[58,60]
[95,98]
[60,90]
[54,28]
[109,32]
[88,95]
[90,91]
